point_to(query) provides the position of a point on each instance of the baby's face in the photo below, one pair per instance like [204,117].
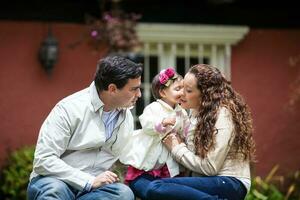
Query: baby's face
[174,92]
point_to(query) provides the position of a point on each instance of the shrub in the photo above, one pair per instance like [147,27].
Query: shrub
[275,187]
[15,173]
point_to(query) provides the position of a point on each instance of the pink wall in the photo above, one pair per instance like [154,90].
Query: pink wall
[263,71]
[27,93]
[260,72]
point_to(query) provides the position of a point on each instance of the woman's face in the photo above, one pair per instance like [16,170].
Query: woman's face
[191,97]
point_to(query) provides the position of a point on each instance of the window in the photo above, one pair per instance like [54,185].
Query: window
[181,46]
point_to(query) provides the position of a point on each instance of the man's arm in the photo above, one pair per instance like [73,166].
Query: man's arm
[53,140]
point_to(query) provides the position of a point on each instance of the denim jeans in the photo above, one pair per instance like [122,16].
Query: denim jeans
[48,188]
[140,184]
[192,188]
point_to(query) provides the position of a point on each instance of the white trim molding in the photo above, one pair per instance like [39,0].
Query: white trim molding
[185,33]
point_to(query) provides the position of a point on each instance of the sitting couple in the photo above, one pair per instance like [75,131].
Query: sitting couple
[203,156]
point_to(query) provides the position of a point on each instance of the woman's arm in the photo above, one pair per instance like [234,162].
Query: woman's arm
[212,163]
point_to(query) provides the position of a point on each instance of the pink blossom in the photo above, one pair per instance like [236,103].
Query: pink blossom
[107,17]
[170,72]
[94,33]
[163,78]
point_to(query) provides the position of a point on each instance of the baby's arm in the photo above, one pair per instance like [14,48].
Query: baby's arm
[166,126]
[152,120]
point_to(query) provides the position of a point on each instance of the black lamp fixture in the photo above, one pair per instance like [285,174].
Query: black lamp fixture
[48,52]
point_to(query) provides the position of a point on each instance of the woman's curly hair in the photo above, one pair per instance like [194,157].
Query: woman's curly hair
[217,92]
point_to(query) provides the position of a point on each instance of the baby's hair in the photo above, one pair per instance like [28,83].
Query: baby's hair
[157,86]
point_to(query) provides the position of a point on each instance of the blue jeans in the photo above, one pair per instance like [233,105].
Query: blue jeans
[193,188]
[48,188]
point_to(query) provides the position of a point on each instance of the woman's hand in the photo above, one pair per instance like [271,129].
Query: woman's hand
[171,140]
[169,121]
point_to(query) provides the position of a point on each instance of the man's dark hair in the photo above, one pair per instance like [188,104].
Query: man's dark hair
[117,70]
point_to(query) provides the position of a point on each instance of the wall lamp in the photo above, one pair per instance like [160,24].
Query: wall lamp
[48,52]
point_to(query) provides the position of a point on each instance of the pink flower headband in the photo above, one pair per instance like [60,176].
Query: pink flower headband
[166,76]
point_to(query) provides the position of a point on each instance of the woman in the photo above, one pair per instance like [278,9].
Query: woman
[219,145]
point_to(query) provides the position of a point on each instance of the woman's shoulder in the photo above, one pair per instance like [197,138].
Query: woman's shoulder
[224,118]
[224,111]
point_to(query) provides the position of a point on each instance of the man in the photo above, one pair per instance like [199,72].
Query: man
[83,135]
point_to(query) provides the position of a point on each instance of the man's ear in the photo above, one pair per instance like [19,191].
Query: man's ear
[112,88]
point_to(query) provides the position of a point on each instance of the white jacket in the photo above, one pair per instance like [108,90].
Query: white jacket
[71,145]
[145,150]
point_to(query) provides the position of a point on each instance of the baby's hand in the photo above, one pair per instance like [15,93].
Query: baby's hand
[169,121]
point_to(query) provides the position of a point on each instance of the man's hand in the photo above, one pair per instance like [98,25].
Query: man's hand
[106,177]
[169,121]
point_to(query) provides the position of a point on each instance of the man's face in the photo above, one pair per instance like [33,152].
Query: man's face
[129,94]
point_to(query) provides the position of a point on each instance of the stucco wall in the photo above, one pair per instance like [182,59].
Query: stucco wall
[27,92]
[264,66]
